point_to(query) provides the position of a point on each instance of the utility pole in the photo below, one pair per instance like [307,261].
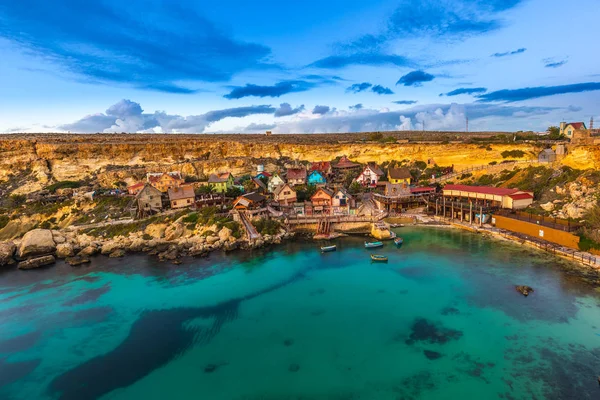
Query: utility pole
[467,119]
[591,124]
[423,123]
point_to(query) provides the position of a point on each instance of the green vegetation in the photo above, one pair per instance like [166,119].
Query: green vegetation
[541,179]
[485,180]
[493,162]
[146,236]
[422,165]
[233,192]
[375,136]
[63,185]
[106,207]
[513,153]
[587,244]
[205,189]
[305,192]
[266,226]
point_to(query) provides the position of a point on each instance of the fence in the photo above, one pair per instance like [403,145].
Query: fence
[554,223]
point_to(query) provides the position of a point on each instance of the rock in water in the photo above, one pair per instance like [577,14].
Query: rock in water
[36,262]
[36,243]
[77,260]
[7,250]
[64,250]
[118,253]
[524,290]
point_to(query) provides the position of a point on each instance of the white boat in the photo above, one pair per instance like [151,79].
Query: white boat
[373,245]
[326,249]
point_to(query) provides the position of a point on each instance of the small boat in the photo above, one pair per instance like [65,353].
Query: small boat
[392,235]
[325,249]
[373,245]
[398,241]
[378,258]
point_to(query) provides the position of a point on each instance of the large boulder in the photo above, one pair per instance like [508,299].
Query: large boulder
[109,247]
[7,250]
[77,260]
[224,234]
[36,262]
[156,230]
[173,232]
[36,243]
[64,250]
[88,251]
[524,290]
[212,239]
[117,253]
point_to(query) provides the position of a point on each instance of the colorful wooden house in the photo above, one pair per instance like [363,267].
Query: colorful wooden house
[399,176]
[274,182]
[296,176]
[316,178]
[322,201]
[221,182]
[342,202]
[250,201]
[149,201]
[182,196]
[284,195]
[135,188]
[164,181]
[370,175]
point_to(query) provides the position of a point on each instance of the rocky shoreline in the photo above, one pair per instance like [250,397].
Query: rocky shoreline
[42,247]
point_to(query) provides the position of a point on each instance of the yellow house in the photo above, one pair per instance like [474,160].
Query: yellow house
[568,129]
[221,182]
[165,181]
[399,176]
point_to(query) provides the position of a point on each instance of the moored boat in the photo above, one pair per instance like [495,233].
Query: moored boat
[379,258]
[398,241]
[372,245]
[393,235]
[326,249]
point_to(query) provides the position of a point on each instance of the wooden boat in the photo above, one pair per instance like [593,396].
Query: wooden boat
[325,249]
[398,241]
[373,245]
[379,258]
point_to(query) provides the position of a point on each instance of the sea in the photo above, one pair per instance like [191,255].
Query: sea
[440,320]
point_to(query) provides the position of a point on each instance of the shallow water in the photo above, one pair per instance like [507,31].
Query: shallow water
[441,320]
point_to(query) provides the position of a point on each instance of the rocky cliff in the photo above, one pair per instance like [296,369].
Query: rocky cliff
[41,159]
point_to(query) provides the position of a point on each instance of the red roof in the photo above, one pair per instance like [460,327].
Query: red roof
[576,125]
[521,196]
[345,163]
[482,189]
[422,189]
[296,173]
[136,185]
[321,166]
[265,174]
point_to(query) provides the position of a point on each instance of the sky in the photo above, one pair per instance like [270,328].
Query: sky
[316,66]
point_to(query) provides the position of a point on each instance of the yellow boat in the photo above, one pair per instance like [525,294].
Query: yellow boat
[379,258]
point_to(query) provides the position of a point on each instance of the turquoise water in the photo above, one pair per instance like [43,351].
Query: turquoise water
[441,320]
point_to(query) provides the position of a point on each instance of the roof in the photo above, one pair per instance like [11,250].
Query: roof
[254,197]
[482,189]
[521,196]
[344,192]
[296,173]
[399,173]
[136,185]
[263,173]
[214,178]
[148,188]
[316,172]
[225,175]
[182,192]
[259,183]
[422,189]
[577,125]
[280,188]
[375,168]
[155,176]
[345,163]
[322,166]
[326,191]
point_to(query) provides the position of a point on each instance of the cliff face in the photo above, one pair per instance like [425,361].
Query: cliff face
[110,158]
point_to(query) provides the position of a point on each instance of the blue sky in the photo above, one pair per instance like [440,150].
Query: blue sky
[315,66]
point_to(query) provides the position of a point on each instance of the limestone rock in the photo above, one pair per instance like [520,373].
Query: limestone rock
[156,230]
[109,247]
[137,245]
[225,234]
[35,243]
[524,290]
[117,253]
[88,251]
[212,239]
[173,232]
[77,260]
[7,250]
[547,206]
[36,262]
[64,250]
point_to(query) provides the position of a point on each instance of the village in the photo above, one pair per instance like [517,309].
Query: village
[173,214]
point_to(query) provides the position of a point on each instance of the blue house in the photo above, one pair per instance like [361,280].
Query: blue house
[316,178]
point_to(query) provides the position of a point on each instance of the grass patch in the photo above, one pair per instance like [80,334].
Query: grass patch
[63,185]
[512,153]
[266,226]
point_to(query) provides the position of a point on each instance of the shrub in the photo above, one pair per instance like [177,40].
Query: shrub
[266,226]
[146,236]
[493,162]
[512,153]
[485,180]
[375,136]
[63,185]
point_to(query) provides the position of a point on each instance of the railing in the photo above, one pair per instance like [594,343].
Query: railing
[554,223]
